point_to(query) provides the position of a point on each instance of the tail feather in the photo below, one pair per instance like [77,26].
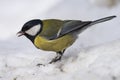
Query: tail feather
[102,20]
[96,22]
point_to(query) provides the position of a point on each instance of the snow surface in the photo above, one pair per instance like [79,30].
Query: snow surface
[96,63]
[94,56]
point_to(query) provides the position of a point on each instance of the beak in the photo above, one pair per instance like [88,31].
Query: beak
[20,33]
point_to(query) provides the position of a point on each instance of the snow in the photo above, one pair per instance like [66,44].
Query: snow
[98,63]
[94,56]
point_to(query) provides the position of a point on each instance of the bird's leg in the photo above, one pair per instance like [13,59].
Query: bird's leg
[58,57]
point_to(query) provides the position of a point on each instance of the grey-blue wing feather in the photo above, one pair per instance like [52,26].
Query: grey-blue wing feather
[72,26]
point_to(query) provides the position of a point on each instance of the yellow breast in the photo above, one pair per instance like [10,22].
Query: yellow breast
[54,45]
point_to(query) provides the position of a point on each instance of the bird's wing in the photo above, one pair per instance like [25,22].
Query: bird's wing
[58,29]
[76,25]
[72,26]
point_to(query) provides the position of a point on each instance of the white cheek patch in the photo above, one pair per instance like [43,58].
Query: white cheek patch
[34,30]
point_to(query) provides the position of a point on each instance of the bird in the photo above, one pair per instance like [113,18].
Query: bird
[55,34]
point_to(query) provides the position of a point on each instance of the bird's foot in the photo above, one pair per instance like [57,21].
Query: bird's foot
[57,58]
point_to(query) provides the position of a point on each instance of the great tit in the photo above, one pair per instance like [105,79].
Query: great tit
[55,34]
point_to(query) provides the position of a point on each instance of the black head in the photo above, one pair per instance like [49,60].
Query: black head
[31,29]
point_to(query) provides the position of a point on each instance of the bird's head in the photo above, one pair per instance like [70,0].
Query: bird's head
[31,28]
